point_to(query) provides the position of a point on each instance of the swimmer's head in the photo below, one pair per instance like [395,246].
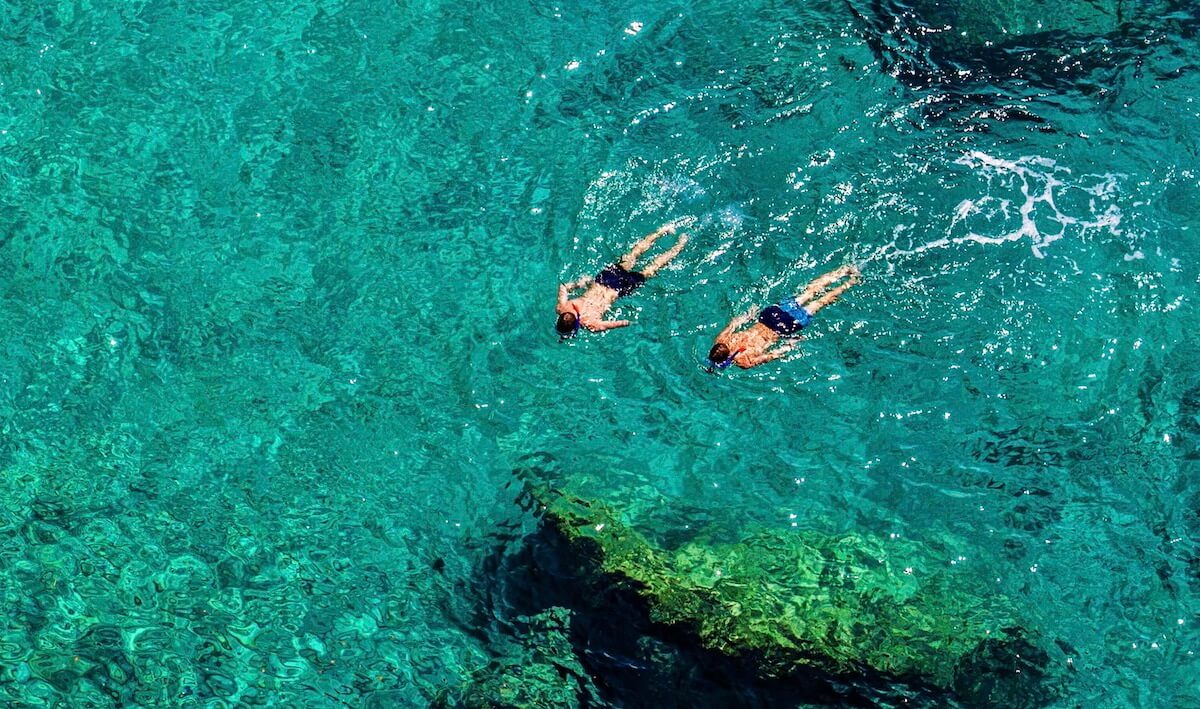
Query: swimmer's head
[719,354]
[567,325]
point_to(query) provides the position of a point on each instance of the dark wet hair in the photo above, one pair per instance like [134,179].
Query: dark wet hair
[567,324]
[719,353]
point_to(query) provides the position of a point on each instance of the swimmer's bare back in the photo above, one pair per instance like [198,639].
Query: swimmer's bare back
[588,310]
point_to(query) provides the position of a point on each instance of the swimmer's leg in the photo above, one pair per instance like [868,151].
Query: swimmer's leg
[813,306]
[665,257]
[820,283]
[628,260]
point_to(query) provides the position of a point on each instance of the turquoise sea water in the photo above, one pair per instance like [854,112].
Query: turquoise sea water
[278,288]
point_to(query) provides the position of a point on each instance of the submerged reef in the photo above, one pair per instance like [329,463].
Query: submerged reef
[793,604]
[543,672]
[973,24]
[929,42]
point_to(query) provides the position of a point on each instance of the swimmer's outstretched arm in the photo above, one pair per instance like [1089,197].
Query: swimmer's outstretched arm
[738,322]
[564,289]
[775,353]
[609,325]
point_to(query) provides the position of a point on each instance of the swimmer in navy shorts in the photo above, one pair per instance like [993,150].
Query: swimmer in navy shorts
[777,330]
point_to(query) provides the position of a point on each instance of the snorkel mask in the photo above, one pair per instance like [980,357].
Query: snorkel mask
[574,331]
[714,367]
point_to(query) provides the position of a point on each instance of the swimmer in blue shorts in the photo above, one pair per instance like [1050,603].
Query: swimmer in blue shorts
[619,279]
[756,344]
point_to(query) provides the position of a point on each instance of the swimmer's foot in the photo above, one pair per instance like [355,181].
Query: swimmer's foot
[841,272]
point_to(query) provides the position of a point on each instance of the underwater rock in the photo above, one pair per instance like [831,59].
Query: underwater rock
[543,671]
[791,603]
[976,41]
[978,23]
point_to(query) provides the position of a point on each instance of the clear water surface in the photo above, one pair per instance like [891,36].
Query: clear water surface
[278,283]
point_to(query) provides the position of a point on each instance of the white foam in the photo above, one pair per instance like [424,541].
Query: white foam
[1027,189]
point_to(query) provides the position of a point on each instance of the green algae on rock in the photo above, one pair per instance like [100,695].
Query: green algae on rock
[796,601]
[543,672]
